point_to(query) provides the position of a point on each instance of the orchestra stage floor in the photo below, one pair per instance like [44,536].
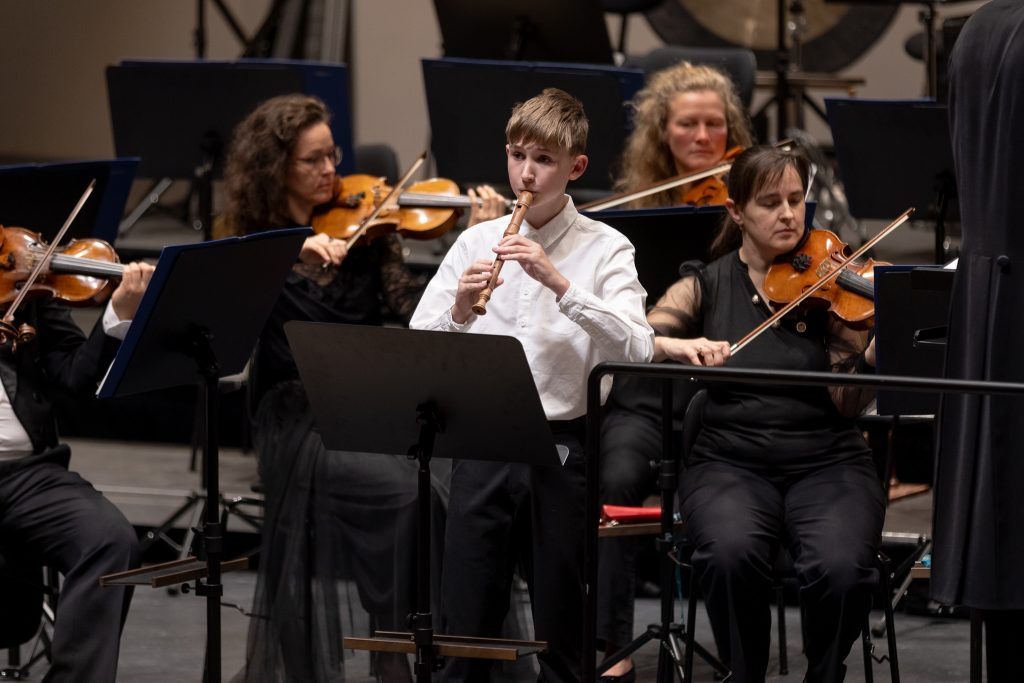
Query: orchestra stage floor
[165,635]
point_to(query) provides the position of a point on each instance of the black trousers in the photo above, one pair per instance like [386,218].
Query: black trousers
[60,518]
[502,515]
[831,521]
[630,450]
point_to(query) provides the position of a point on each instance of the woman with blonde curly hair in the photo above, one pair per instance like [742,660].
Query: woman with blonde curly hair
[688,118]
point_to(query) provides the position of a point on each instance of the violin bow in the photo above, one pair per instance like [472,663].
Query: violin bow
[372,216]
[45,260]
[824,279]
[661,186]
[668,184]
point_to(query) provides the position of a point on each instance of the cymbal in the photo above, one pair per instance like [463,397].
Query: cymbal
[753,23]
[834,34]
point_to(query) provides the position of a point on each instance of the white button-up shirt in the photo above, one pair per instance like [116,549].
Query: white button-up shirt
[600,317]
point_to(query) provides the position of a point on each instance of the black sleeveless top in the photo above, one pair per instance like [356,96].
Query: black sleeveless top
[772,428]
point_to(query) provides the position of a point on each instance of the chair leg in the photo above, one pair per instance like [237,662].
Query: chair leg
[780,606]
[865,637]
[691,624]
[890,619]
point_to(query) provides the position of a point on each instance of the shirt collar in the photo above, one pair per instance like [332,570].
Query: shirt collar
[554,228]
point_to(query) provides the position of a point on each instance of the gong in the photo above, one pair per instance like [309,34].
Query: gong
[834,34]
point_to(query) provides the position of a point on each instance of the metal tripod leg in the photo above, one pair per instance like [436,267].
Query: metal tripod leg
[193,505]
[923,548]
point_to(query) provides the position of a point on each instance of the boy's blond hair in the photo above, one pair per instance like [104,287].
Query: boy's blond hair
[553,118]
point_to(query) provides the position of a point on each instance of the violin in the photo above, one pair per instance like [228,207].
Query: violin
[424,210]
[850,295]
[79,273]
[829,265]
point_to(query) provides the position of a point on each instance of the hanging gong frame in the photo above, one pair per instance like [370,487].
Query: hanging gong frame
[834,34]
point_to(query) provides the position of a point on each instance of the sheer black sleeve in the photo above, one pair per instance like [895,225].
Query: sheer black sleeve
[846,354]
[402,288]
[678,312]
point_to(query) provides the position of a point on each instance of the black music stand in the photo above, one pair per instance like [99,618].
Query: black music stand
[469,142]
[417,392]
[893,154]
[178,116]
[565,31]
[911,317]
[38,196]
[664,238]
[199,321]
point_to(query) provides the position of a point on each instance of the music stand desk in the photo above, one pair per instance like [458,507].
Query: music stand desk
[880,184]
[198,321]
[38,196]
[468,142]
[664,238]
[418,392]
[168,111]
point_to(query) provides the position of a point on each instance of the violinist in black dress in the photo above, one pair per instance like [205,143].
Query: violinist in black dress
[773,466]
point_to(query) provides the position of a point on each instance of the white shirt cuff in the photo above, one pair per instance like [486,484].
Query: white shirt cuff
[114,326]
[571,303]
[449,324]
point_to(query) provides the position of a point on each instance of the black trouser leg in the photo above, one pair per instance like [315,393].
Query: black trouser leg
[834,519]
[630,443]
[61,517]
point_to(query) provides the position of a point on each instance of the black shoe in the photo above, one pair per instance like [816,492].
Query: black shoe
[628,677]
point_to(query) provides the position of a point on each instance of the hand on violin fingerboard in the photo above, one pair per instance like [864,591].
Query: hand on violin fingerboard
[323,249]
[134,280]
[699,351]
[486,204]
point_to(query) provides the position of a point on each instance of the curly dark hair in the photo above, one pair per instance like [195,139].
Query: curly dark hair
[257,163]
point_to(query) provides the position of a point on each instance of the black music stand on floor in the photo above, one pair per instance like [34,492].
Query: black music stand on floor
[893,154]
[178,116]
[418,393]
[37,196]
[525,29]
[199,321]
[468,142]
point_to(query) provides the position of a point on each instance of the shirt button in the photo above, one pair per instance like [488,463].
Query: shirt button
[801,327]
[755,299]
[522,323]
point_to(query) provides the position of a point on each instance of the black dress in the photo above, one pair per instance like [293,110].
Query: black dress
[331,516]
[779,466]
[978,557]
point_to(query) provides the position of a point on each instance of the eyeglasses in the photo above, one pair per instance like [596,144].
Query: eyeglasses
[315,160]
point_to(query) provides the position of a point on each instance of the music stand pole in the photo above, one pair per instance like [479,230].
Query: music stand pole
[211,535]
[781,74]
[421,621]
[931,65]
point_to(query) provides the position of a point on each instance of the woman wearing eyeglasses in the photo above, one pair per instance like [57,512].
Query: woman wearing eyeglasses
[330,515]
